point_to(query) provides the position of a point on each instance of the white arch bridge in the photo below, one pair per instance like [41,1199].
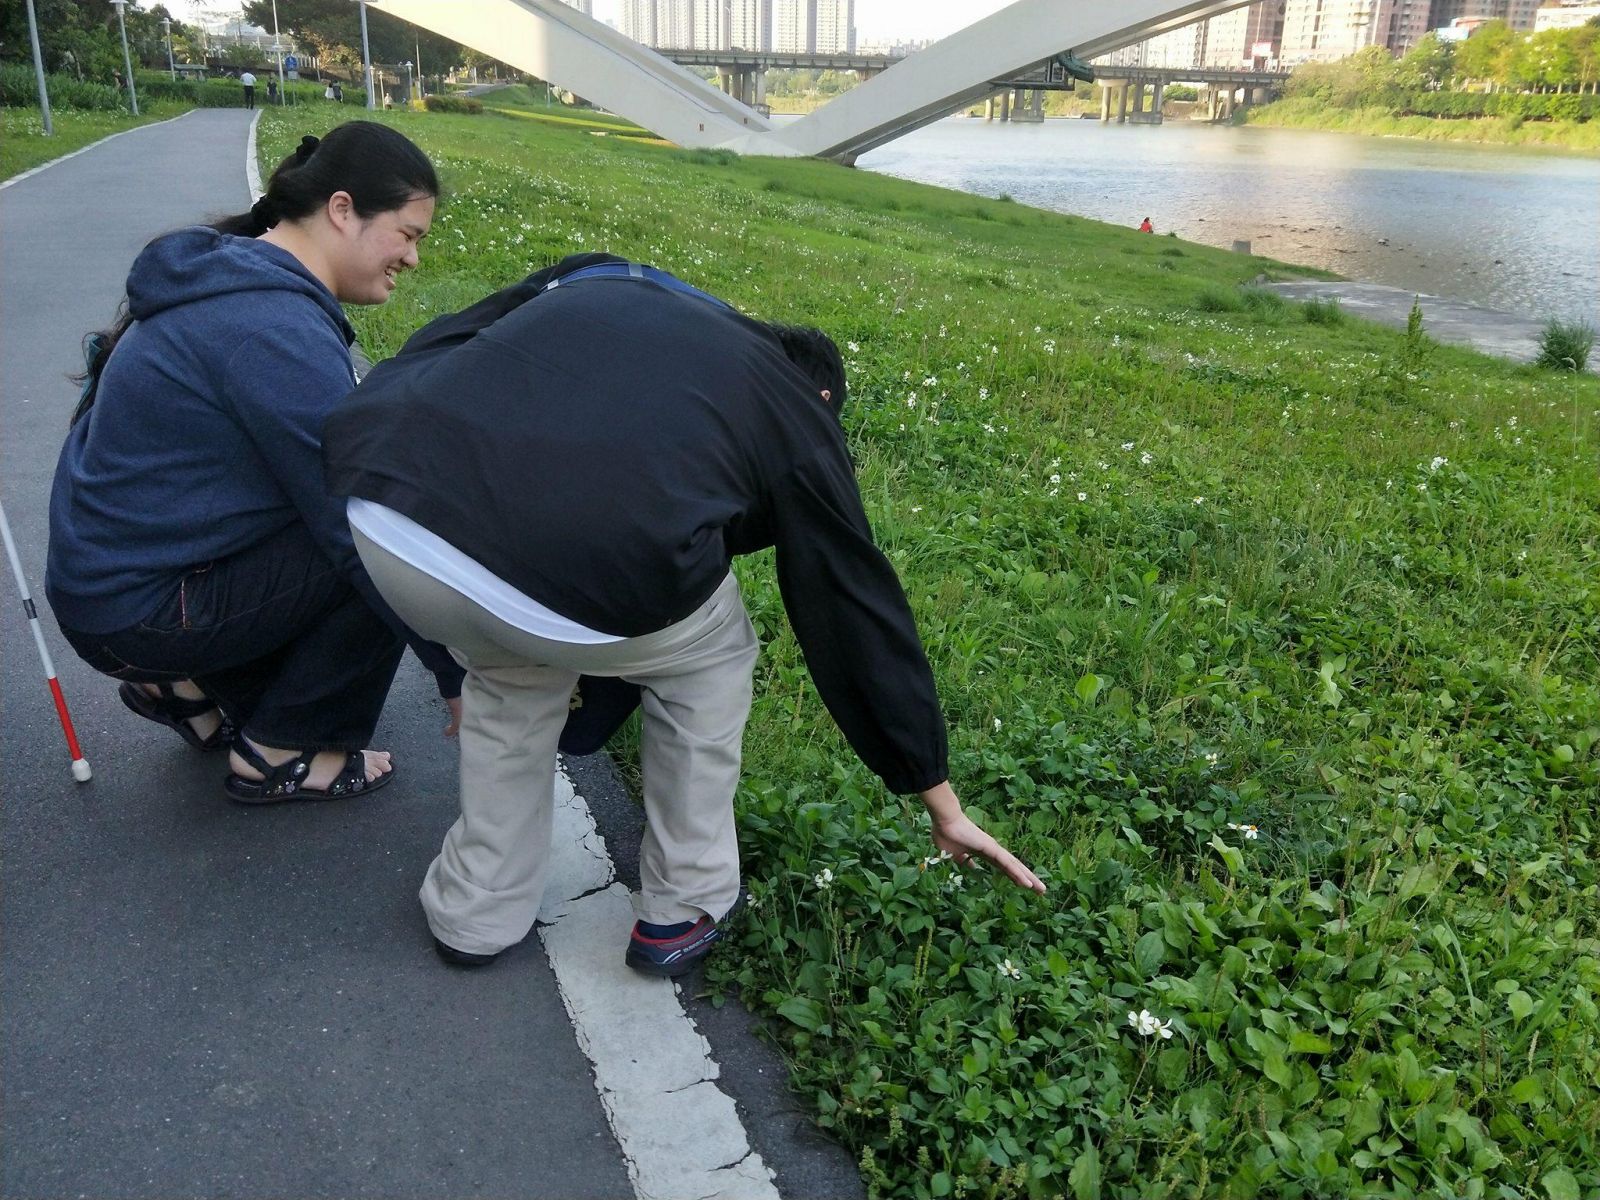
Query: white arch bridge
[552,41]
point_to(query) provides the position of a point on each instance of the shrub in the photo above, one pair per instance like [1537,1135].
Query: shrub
[1320,311]
[454,104]
[18,89]
[1565,346]
[1262,302]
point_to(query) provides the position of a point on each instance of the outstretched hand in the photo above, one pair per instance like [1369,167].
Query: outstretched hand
[454,705]
[958,835]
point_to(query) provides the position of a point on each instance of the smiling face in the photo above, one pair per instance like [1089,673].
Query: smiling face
[372,251]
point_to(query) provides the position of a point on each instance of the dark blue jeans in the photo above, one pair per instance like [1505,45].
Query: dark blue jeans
[276,635]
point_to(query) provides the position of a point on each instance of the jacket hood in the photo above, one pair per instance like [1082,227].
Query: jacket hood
[200,263]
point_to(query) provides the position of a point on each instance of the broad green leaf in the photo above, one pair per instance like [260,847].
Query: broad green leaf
[1301,1042]
[803,1012]
[1085,1174]
[1520,1004]
[1149,952]
[1087,688]
[1560,1184]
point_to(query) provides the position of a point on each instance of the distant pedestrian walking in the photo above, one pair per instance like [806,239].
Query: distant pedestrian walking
[1146,227]
[272,90]
[249,82]
[337,90]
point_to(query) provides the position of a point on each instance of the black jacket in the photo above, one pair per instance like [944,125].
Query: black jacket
[608,446]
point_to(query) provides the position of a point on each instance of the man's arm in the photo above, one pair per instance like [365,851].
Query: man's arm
[860,643]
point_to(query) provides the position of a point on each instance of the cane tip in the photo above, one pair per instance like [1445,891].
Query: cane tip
[81,771]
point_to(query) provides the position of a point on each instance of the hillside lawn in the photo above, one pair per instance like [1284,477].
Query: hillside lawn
[1266,635]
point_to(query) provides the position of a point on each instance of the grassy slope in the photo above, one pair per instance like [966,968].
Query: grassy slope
[1582,136]
[24,146]
[1183,560]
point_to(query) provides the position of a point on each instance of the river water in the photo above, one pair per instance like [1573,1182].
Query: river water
[1505,227]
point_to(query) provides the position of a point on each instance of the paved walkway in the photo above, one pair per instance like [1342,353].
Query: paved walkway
[201,998]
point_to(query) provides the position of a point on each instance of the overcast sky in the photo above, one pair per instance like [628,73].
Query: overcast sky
[875,19]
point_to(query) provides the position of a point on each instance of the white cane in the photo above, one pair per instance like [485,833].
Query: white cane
[80,765]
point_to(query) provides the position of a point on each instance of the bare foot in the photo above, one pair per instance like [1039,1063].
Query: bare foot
[325,766]
[206,723]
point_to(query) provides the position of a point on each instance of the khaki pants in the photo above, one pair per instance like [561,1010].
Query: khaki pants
[483,891]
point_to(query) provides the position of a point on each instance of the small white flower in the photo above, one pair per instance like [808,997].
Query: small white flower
[956,882]
[1083,496]
[1199,499]
[1146,459]
[824,881]
[854,349]
[1422,487]
[1147,1024]
[1212,758]
[911,400]
[1127,445]
[916,508]
[1055,479]
[1251,832]
[983,393]
[930,381]
[997,724]
[1010,971]
[1438,461]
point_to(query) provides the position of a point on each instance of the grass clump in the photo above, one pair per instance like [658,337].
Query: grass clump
[1285,682]
[1323,311]
[1565,346]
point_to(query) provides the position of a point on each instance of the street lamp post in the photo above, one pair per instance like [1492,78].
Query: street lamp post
[172,67]
[366,59]
[277,46]
[38,71]
[127,61]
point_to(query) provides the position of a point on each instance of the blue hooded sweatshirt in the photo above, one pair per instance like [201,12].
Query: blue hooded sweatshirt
[206,433]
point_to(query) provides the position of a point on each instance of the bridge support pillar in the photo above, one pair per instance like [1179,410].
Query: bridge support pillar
[1122,104]
[1138,101]
[1038,104]
[761,85]
[988,109]
[1005,106]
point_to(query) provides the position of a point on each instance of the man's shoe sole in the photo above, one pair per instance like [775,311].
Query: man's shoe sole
[462,958]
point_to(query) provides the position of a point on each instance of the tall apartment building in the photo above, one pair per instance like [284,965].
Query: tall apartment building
[794,26]
[750,25]
[708,24]
[836,26]
[639,21]
[1323,30]
[1568,14]
[1519,14]
[1245,37]
[586,7]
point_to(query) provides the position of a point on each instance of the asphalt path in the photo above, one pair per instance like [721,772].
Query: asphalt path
[201,998]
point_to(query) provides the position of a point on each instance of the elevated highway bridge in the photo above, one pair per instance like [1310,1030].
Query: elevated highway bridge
[552,41]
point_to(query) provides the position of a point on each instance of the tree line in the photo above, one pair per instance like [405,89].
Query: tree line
[1496,58]
[81,38]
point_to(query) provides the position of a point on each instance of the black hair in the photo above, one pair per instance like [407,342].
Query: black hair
[817,357]
[380,168]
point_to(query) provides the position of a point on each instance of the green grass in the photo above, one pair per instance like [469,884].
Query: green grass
[1185,567]
[24,146]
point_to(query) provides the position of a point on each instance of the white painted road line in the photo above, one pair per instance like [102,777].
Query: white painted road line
[680,1134]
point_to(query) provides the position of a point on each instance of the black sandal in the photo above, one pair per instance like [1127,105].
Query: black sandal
[282,782]
[173,711]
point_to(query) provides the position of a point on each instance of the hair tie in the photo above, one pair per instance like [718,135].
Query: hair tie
[308,147]
[264,212]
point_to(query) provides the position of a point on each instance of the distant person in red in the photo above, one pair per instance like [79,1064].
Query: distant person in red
[1146,227]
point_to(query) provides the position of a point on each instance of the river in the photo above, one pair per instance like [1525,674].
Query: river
[1505,227]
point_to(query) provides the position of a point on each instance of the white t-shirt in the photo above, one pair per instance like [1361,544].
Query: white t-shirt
[247,79]
[432,555]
